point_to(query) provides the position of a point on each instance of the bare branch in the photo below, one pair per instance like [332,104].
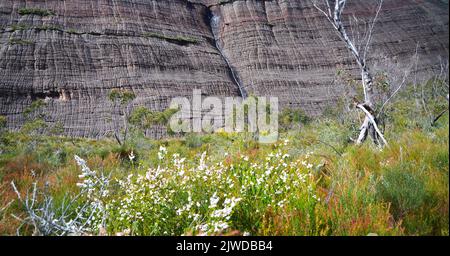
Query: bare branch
[371,29]
[326,12]
[438,117]
[403,82]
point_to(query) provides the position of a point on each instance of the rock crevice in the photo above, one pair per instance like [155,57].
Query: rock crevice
[215,28]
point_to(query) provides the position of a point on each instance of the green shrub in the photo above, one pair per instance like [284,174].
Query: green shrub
[193,140]
[121,95]
[35,107]
[33,127]
[221,2]
[20,27]
[403,189]
[176,39]
[36,11]
[3,122]
[144,118]
[290,117]
[18,41]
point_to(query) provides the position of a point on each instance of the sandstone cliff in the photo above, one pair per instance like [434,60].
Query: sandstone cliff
[81,49]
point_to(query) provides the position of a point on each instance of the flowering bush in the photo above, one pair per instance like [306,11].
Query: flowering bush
[177,198]
[238,187]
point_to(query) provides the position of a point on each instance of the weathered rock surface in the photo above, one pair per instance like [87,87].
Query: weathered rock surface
[288,49]
[162,49]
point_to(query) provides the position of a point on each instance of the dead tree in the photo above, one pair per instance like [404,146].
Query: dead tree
[333,11]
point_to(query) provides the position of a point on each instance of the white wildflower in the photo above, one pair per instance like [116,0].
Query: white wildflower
[131,156]
[162,152]
[213,201]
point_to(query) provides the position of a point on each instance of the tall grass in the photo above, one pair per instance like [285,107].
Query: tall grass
[314,181]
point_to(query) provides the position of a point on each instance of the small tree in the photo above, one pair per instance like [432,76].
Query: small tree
[121,100]
[32,112]
[34,118]
[3,122]
[142,118]
[333,11]
[289,118]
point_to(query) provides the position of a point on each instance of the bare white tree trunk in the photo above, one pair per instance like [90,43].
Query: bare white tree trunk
[334,16]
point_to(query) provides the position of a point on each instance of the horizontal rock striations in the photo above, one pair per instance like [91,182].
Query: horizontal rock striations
[288,49]
[72,53]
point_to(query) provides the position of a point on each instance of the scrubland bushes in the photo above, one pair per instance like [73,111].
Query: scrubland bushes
[314,181]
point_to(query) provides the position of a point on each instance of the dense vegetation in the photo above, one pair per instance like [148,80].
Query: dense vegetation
[314,181]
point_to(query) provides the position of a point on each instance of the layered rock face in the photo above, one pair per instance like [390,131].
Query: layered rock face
[288,49]
[75,55]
